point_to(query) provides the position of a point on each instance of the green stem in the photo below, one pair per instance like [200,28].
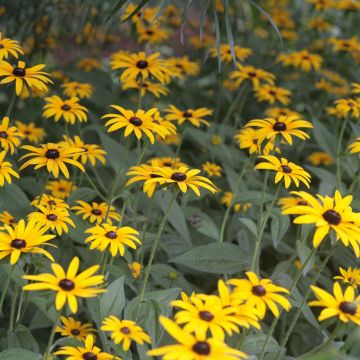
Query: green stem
[12,103]
[52,335]
[152,254]
[98,179]
[180,143]
[338,152]
[291,289]
[234,103]
[5,289]
[95,187]
[12,309]
[303,302]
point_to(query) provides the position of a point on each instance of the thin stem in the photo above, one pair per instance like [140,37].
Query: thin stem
[234,103]
[12,103]
[52,335]
[12,309]
[43,189]
[98,179]
[180,143]
[5,289]
[338,152]
[303,302]
[95,187]
[152,253]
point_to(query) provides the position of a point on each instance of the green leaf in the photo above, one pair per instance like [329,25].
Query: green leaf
[115,9]
[23,339]
[229,30]
[254,343]
[136,10]
[205,224]
[324,137]
[217,258]
[19,354]
[323,175]
[183,20]
[252,197]
[250,225]
[14,200]
[279,227]
[83,193]
[113,301]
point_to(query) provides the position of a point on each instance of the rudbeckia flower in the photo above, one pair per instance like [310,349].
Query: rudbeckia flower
[182,66]
[320,158]
[145,86]
[211,169]
[254,75]
[88,64]
[348,107]
[7,219]
[9,136]
[49,201]
[349,276]
[152,33]
[30,132]
[271,94]
[241,53]
[9,47]
[302,60]
[6,170]
[77,89]
[143,172]
[194,116]
[135,268]
[60,188]
[74,329]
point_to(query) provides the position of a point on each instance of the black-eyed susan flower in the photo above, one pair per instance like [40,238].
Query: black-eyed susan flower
[355,88]
[54,218]
[284,169]
[60,188]
[291,201]
[272,94]
[182,66]
[7,219]
[252,74]
[346,306]
[31,132]
[349,276]
[212,169]
[70,110]
[72,328]
[21,75]
[145,86]
[193,347]
[247,138]
[320,158]
[166,161]
[24,238]
[227,198]
[275,112]
[184,178]
[146,14]
[168,128]
[260,293]
[68,286]
[9,47]
[143,172]
[88,64]
[6,170]
[125,331]
[90,152]
[88,352]
[285,126]
[151,33]
[140,122]
[241,53]
[53,156]
[194,116]
[348,107]
[320,5]
[141,65]
[49,201]
[302,60]
[345,45]
[9,136]
[329,213]
[95,212]
[135,268]
[112,237]
[74,89]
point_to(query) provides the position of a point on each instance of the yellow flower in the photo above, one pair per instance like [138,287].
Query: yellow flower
[70,110]
[241,53]
[247,138]
[135,268]
[290,202]
[318,23]
[320,158]
[24,238]
[302,60]
[182,66]
[49,201]
[320,5]
[7,219]
[271,93]
[88,64]
[345,45]
[284,170]
[348,107]
[193,347]
[276,112]
[350,276]
[260,293]
[32,77]
[6,170]
[125,331]
[146,14]
[68,286]
[252,74]
[74,329]
[346,306]
[330,213]
[9,136]
[145,87]
[60,188]
[9,47]
[152,33]
[212,170]
[88,352]
[216,140]
[77,89]
[166,161]
[30,132]
[194,116]
[227,198]
[355,88]
[95,212]
[53,156]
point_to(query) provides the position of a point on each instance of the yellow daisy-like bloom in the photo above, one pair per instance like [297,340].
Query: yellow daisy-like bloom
[286,170]
[211,169]
[53,156]
[346,306]
[168,127]
[33,92]
[125,331]
[95,212]
[143,172]
[193,347]
[320,5]
[254,75]
[345,45]
[152,33]
[271,94]
[9,136]
[206,41]
[60,188]
[89,351]
[74,329]
[21,75]
[70,110]
[108,236]
[146,14]
[349,5]
[54,218]
[30,132]
[184,178]
[7,219]
[145,86]
[227,198]
[216,140]
[182,66]
[89,152]
[355,88]
[318,23]
[167,161]
[68,286]
[286,126]
[24,238]
[77,89]
[194,116]
[350,276]
[276,112]
[88,64]
[241,53]
[135,268]
[302,60]
[348,107]
[141,65]
[260,293]
[139,122]
[330,213]
[247,138]
[320,158]
[290,202]
[6,170]
[49,201]
[9,47]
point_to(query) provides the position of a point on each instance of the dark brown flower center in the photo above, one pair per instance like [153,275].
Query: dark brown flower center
[111,235]
[258,290]
[348,307]
[332,217]
[52,154]
[18,244]
[167,163]
[142,64]
[206,315]
[134,120]
[125,330]
[302,202]
[75,332]
[272,92]
[89,356]
[1,46]
[51,217]
[66,284]
[279,126]
[201,348]
[19,71]
[149,32]
[52,202]
[154,176]
[66,107]
[252,74]
[4,134]
[96,212]
[187,114]
[178,176]
[286,169]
